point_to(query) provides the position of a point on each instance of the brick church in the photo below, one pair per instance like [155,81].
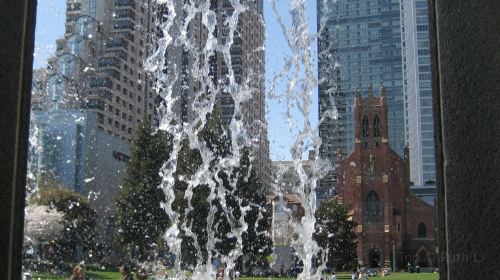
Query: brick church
[374,184]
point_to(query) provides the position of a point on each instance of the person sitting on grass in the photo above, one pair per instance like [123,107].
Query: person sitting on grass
[142,274]
[78,273]
[125,273]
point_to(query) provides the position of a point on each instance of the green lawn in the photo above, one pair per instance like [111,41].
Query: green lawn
[90,275]
[340,276]
[397,276]
[413,276]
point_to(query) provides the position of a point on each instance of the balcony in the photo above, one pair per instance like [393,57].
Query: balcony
[236,60]
[109,61]
[125,3]
[124,24]
[102,82]
[126,34]
[124,13]
[237,41]
[235,50]
[112,73]
[116,43]
[94,104]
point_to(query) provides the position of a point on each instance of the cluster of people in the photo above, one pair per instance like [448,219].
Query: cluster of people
[220,274]
[330,277]
[142,274]
[359,275]
[126,274]
[363,273]
[232,274]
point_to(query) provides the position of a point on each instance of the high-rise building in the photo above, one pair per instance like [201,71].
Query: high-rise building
[332,108]
[418,92]
[247,65]
[91,96]
[98,65]
[80,157]
[362,39]
[247,60]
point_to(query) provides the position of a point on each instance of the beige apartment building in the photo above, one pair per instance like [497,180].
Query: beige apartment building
[99,65]
[186,56]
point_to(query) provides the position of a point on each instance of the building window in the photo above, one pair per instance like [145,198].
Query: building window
[364,129]
[74,7]
[92,8]
[376,126]
[100,118]
[422,27]
[422,230]
[373,214]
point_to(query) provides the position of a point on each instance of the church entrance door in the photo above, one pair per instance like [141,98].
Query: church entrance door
[374,256]
[422,259]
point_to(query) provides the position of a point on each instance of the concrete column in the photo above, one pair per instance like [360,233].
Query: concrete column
[465,48]
[17,28]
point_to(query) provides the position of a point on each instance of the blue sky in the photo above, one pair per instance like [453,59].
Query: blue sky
[50,26]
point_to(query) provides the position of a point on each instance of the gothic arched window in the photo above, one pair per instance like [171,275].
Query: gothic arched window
[422,230]
[373,213]
[364,126]
[376,126]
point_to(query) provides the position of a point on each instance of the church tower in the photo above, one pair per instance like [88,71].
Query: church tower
[373,184]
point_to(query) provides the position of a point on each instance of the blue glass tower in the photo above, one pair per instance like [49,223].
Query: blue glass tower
[418,92]
[359,45]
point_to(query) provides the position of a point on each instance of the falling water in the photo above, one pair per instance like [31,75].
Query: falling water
[176,31]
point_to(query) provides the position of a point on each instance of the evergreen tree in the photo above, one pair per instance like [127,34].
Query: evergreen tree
[217,141]
[141,221]
[241,188]
[188,162]
[256,241]
[335,235]
[244,190]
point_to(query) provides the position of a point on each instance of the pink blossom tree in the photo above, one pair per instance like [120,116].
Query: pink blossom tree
[42,224]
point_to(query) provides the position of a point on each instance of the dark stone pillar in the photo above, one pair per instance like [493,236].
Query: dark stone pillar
[17,28]
[465,48]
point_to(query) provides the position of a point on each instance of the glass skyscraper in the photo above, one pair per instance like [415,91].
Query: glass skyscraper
[418,93]
[364,41]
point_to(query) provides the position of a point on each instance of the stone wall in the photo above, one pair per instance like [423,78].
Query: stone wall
[17,30]
[465,45]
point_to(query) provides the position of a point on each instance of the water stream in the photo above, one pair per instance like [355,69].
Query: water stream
[208,53]
[178,29]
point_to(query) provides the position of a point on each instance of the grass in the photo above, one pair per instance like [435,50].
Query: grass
[413,276]
[340,276]
[396,276]
[89,274]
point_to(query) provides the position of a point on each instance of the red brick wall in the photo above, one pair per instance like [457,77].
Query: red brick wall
[363,171]
[421,212]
